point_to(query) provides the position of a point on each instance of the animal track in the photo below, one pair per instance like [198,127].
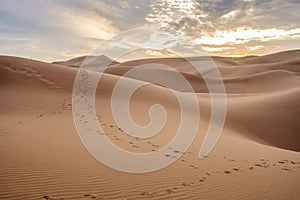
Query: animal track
[147,194]
[92,196]
[46,197]
[193,166]
[170,191]
[33,73]
[6,128]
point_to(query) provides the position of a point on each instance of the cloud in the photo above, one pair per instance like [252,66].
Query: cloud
[230,22]
[230,15]
[58,29]
[54,26]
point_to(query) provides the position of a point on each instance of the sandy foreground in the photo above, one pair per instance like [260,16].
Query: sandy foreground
[257,156]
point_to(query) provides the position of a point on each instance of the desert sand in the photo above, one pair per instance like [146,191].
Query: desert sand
[257,156]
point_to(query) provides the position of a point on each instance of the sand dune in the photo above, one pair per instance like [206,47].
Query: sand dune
[257,156]
[93,61]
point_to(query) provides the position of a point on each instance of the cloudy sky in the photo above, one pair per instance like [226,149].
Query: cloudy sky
[59,29]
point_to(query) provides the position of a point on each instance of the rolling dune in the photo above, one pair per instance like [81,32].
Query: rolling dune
[256,157]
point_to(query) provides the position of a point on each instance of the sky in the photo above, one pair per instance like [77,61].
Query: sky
[51,30]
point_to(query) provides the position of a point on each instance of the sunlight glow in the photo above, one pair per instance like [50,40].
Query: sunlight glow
[91,26]
[253,48]
[243,35]
[229,15]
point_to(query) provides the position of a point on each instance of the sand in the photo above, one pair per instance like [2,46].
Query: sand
[256,157]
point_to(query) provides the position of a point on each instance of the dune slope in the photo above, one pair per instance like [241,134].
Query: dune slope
[42,156]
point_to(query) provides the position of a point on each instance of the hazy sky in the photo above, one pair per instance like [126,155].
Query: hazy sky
[59,29]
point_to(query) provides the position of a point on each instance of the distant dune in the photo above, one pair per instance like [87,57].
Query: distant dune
[92,61]
[257,156]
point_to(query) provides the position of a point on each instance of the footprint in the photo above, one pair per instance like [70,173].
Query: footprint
[46,81]
[185,184]
[193,166]
[92,196]
[10,69]
[258,165]
[170,191]
[286,169]
[147,194]
[227,172]
[46,197]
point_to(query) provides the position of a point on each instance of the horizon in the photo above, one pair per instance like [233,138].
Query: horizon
[56,30]
[128,60]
